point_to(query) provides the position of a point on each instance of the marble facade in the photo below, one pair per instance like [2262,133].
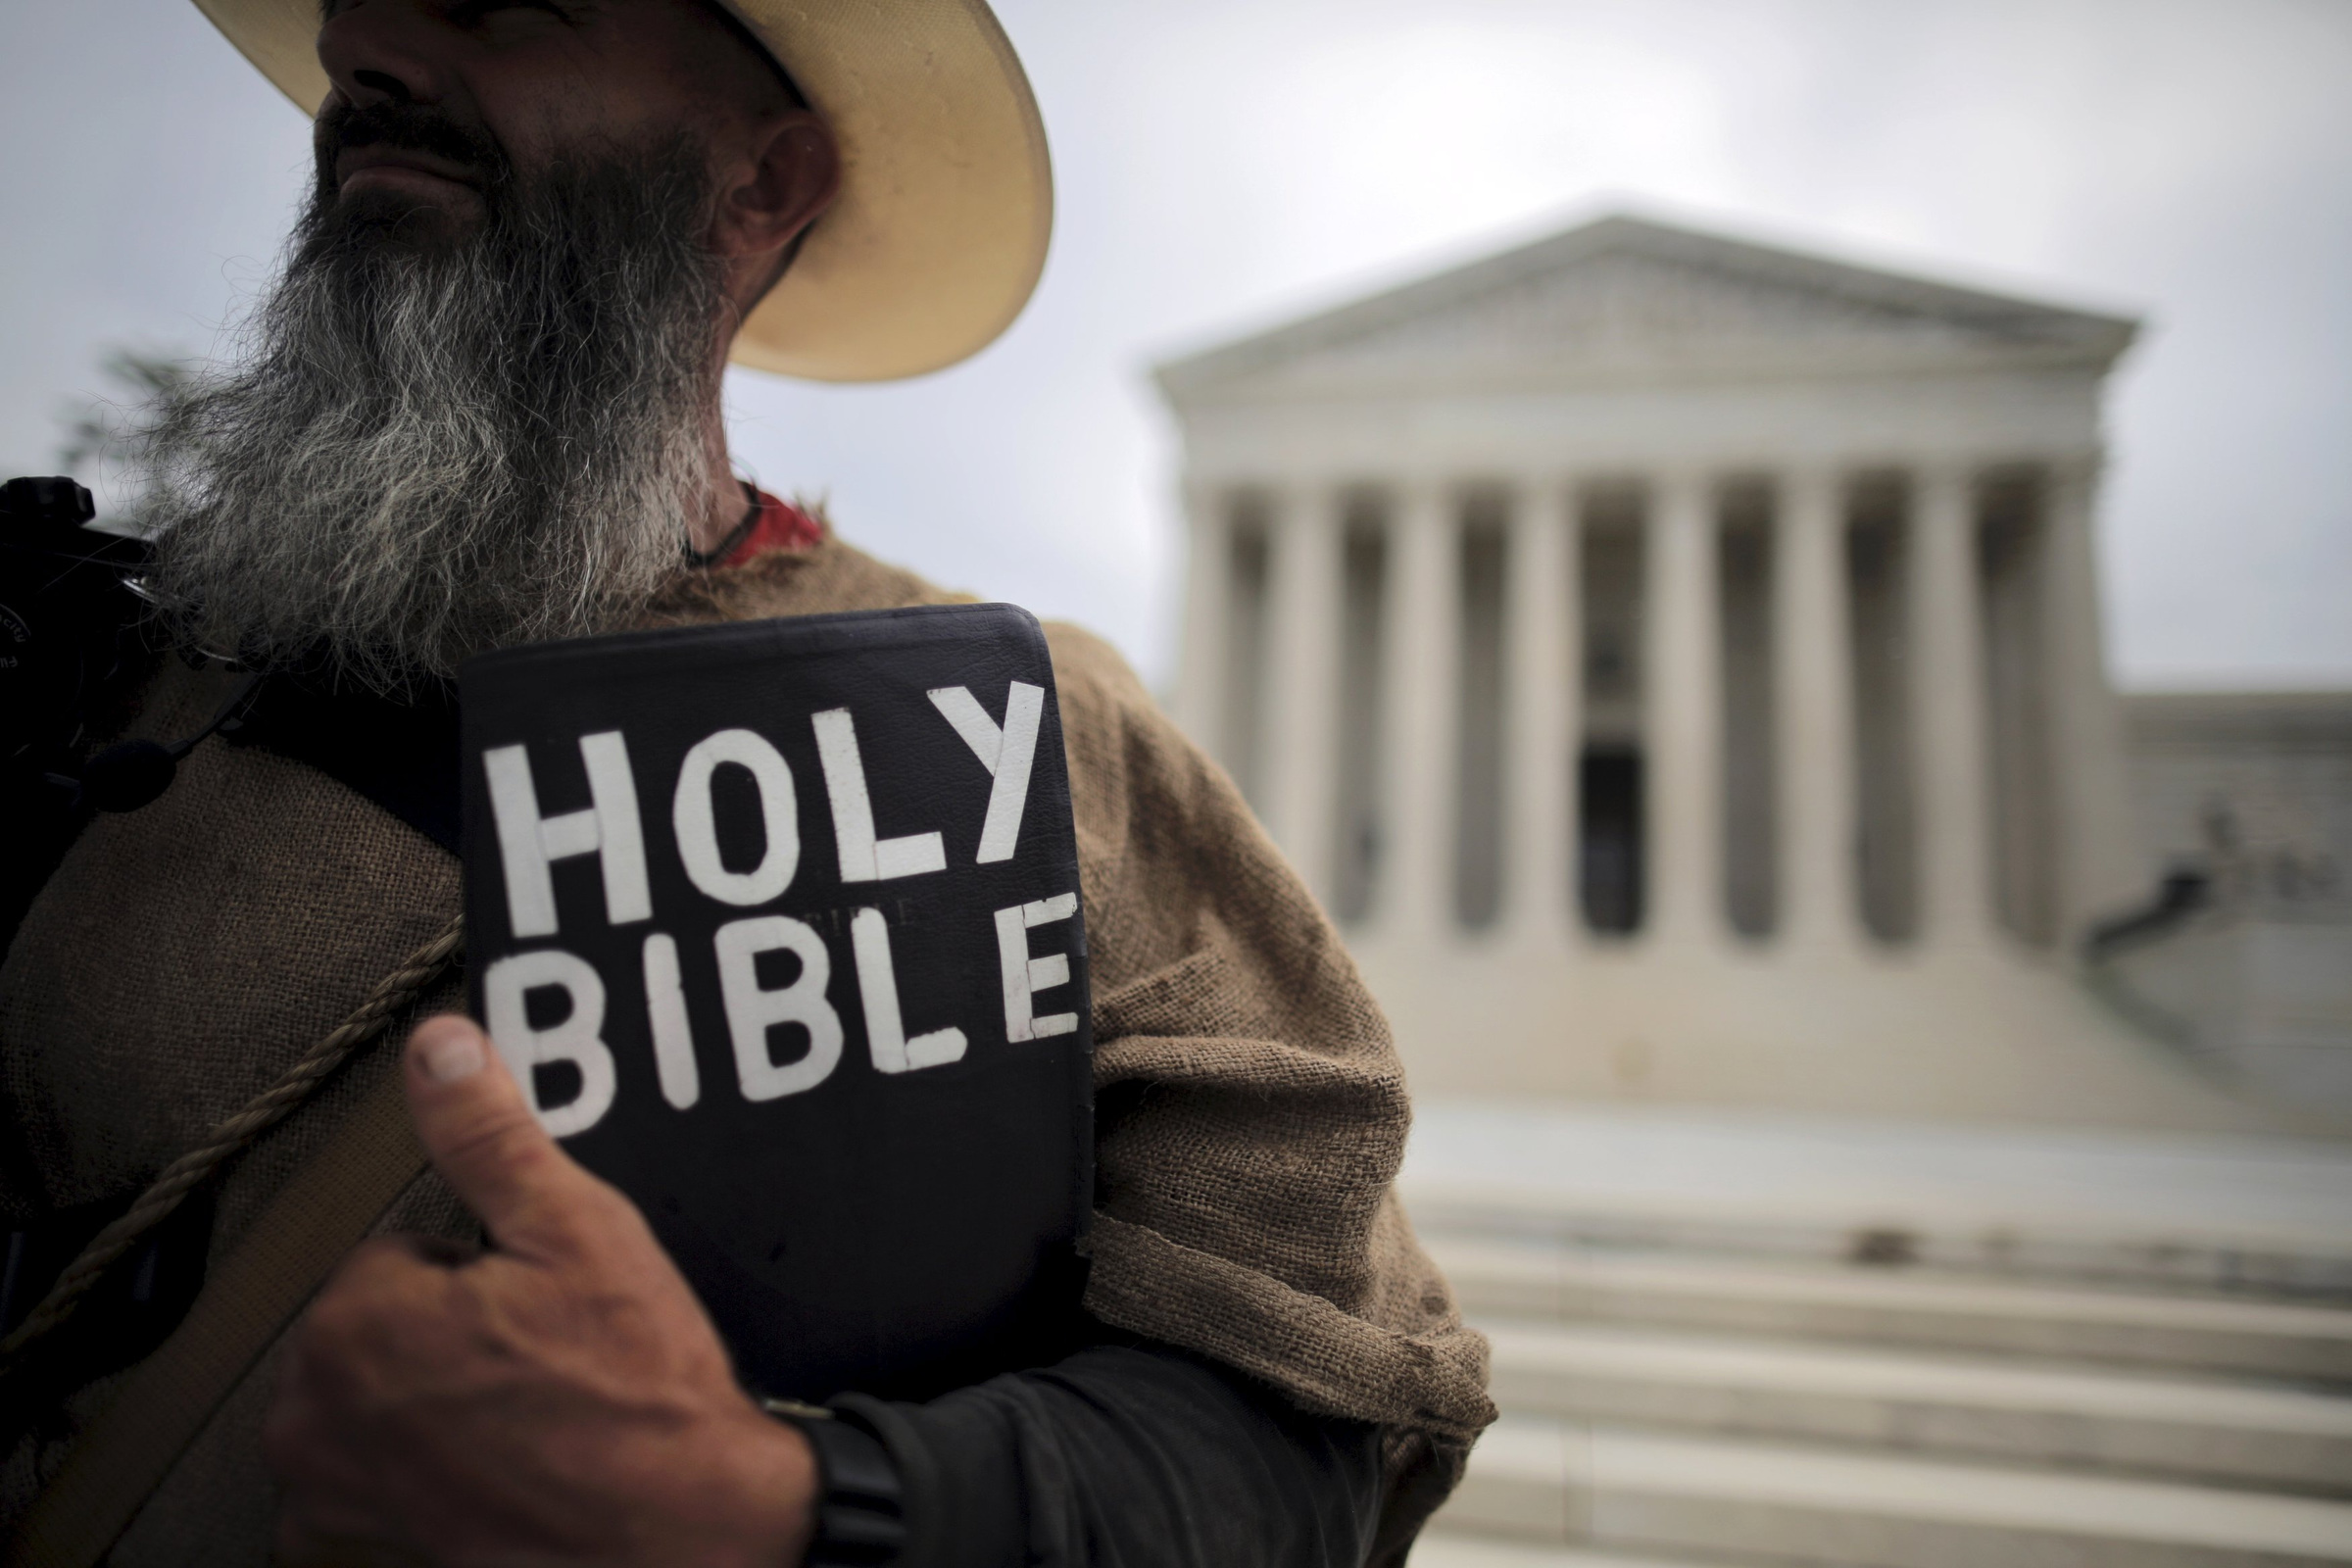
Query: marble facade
[1677,663]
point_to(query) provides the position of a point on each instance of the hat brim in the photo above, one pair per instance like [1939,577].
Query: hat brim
[938,236]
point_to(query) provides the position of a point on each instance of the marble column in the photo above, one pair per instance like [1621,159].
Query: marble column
[1542,726]
[1414,897]
[1208,572]
[2100,869]
[1303,638]
[1948,706]
[1813,673]
[1683,713]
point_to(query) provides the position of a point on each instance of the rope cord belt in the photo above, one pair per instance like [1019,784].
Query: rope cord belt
[392,993]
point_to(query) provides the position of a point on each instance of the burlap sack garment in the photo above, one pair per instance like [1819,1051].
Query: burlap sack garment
[1252,1108]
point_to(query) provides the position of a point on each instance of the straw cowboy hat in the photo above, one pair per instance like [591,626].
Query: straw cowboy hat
[947,198]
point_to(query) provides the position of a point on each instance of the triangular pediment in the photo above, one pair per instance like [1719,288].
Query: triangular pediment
[1630,298]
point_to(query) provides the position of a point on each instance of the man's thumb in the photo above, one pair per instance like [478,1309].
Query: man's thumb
[483,1139]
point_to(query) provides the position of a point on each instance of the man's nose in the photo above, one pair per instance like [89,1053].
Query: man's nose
[386,51]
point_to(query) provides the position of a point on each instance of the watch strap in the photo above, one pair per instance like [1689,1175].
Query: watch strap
[860,1501]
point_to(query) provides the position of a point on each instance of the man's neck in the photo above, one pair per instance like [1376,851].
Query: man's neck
[721,511]
[720,516]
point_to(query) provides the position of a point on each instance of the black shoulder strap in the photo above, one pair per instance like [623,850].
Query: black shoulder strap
[403,755]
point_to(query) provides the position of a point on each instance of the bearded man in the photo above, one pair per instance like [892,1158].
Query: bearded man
[481,407]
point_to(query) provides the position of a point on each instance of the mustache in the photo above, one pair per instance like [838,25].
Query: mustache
[411,127]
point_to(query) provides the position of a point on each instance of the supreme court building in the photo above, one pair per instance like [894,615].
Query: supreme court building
[1677,664]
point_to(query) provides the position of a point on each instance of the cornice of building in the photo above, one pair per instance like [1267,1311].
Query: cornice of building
[1625,300]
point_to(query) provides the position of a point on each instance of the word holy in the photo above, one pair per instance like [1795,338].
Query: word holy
[612,829]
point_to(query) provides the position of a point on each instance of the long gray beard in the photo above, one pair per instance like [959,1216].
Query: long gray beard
[426,452]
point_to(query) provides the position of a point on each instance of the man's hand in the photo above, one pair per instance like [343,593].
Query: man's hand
[559,1398]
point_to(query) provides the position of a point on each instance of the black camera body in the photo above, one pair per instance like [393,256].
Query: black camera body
[72,651]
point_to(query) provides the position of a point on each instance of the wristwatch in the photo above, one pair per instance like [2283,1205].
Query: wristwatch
[860,1503]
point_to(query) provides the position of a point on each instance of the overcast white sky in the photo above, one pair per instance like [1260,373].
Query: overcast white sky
[1223,164]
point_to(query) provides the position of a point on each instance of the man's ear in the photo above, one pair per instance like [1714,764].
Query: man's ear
[768,201]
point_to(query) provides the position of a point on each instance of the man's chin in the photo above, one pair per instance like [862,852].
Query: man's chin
[398,214]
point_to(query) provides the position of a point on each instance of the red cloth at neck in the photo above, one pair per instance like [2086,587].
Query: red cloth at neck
[777,526]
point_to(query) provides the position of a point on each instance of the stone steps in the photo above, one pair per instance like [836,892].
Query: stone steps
[2081,1252]
[1441,1549]
[1900,1306]
[2171,1212]
[1722,1340]
[2227,1432]
[1617,1491]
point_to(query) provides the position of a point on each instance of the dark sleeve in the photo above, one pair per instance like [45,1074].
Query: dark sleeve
[1128,1455]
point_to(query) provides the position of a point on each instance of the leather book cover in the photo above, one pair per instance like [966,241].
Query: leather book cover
[778,923]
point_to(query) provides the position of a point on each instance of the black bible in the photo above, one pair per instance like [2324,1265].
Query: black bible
[778,924]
